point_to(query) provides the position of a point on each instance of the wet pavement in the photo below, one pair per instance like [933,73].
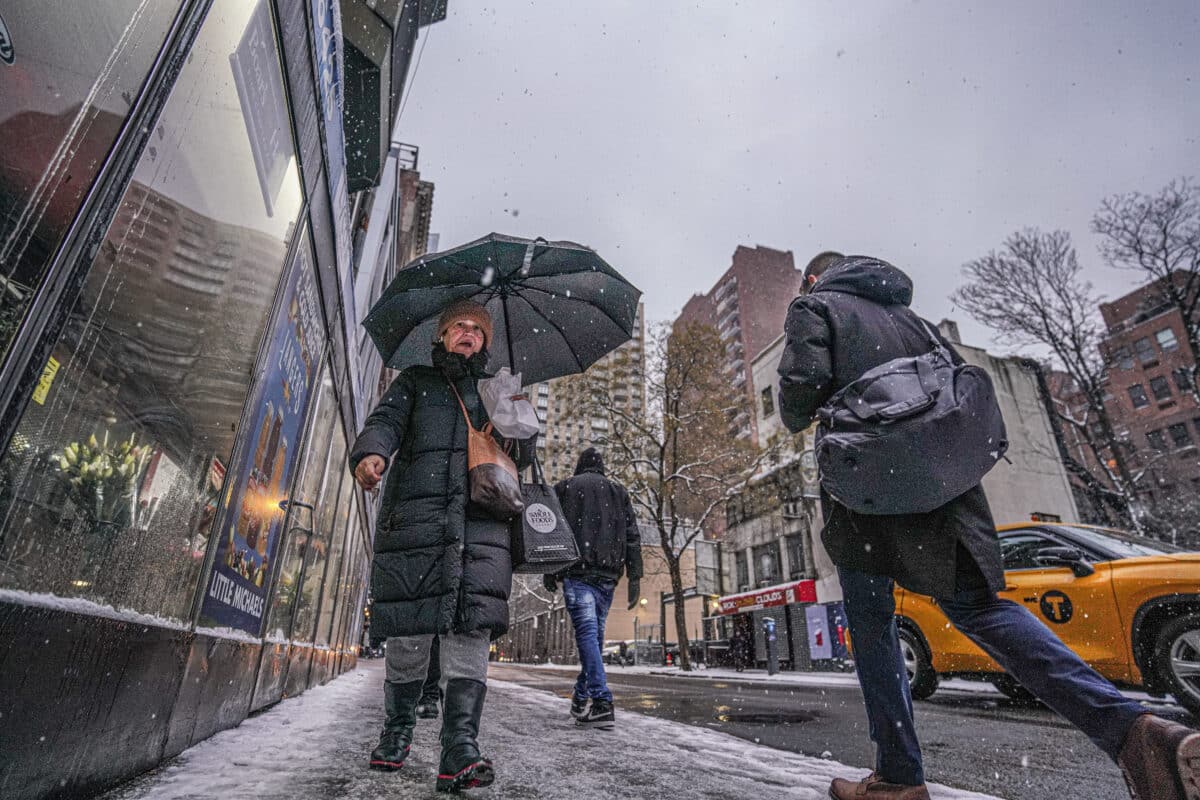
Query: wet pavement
[972,739]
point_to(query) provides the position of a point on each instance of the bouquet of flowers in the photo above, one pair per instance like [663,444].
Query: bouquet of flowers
[103,479]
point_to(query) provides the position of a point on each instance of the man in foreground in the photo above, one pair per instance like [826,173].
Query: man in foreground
[854,316]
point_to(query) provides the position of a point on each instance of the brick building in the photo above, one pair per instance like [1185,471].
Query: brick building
[747,306]
[1149,400]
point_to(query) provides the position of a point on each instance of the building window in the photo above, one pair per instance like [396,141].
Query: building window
[57,124]
[1145,352]
[1166,340]
[1157,440]
[768,401]
[795,554]
[743,570]
[1137,393]
[116,474]
[1122,357]
[1160,388]
[767,566]
[1180,436]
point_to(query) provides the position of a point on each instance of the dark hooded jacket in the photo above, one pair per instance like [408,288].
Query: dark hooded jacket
[857,317]
[440,565]
[600,513]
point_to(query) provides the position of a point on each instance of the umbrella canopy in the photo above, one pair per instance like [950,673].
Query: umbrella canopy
[556,307]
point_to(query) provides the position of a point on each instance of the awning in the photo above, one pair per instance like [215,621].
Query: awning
[781,594]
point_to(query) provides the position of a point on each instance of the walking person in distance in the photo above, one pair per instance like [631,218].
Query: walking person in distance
[600,513]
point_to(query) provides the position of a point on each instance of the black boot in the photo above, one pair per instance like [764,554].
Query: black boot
[427,706]
[400,703]
[461,766]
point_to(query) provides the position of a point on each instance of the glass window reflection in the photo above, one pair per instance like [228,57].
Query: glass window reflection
[317,553]
[111,484]
[66,96]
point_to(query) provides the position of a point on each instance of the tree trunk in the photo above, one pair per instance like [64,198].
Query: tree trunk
[685,651]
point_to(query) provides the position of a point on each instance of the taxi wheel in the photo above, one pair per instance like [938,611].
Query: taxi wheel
[1009,687]
[922,680]
[1177,652]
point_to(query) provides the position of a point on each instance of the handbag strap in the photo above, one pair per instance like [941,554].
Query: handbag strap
[487,428]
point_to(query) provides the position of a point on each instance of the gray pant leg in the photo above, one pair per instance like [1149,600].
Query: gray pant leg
[408,658]
[465,656]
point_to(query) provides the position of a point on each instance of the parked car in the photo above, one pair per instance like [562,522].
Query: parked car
[617,653]
[1129,606]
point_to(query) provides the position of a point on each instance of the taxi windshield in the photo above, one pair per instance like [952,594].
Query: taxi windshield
[1119,543]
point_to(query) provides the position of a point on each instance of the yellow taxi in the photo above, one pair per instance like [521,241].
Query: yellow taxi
[1130,607]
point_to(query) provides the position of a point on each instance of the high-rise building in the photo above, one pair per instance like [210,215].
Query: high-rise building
[565,432]
[747,306]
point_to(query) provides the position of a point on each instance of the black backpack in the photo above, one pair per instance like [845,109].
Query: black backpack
[910,435]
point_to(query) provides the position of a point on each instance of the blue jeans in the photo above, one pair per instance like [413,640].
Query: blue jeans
[588,605]
[1026,648]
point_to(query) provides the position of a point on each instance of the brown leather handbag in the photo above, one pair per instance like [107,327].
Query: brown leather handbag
[491,474]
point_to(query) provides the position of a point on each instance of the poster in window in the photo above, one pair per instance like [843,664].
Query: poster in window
[252,521]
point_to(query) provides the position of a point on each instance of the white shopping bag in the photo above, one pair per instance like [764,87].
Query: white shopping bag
[512,419]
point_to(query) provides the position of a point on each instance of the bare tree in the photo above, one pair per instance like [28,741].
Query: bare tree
[1032,293]
[680,460]
[1159,236]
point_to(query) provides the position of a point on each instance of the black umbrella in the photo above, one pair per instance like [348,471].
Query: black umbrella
[556,307]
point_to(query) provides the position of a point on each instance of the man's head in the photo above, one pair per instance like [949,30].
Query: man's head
[465,327]
[590,460]
[817,266]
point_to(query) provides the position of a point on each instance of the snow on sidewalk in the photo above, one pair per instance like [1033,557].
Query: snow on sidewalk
[316,746]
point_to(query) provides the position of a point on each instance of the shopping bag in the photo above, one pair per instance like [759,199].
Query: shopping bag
[513,419]
[492,476]
[542,541]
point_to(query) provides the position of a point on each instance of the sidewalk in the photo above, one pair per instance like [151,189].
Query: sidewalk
[316,745]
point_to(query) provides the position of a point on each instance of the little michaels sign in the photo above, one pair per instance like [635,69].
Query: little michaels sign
[778,595]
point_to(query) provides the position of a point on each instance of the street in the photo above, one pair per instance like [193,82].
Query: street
[974,740]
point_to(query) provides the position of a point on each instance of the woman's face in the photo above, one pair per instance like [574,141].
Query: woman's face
[463,337]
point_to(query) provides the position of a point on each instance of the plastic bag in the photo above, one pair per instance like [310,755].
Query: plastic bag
[512,419]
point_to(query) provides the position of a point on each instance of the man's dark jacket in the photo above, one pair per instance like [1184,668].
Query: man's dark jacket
[601,515]
[857,317]
[440,565]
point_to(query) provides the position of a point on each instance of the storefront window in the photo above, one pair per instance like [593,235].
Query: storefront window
[67,89]
[347,591]
[300,524]
[334,579]
[113,479]
[317,550]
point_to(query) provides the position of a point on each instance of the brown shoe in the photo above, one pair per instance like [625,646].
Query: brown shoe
[1161,760]
[873,787]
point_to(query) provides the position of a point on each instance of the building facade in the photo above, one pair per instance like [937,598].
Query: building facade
[747,306]
[180,367]
[1154,412]
[566,433]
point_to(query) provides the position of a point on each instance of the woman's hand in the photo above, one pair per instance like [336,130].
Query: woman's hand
[369,471]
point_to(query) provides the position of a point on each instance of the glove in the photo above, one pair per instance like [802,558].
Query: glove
[635,591]
[551,583]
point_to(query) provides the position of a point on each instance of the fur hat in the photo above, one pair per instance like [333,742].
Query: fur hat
[466,309]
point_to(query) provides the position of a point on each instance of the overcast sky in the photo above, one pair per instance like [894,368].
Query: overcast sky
[664,134]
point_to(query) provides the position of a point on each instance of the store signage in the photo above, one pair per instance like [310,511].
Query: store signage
[327,36]
[778,595]
[264,109]
[252,523]
[43,385]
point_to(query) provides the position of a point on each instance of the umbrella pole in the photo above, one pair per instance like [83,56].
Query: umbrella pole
[512,365]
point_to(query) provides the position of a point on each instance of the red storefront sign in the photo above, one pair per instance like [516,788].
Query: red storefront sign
[778,595]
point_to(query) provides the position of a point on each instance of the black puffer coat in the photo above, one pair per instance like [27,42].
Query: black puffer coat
[856,317]
[600,514]
[440,565]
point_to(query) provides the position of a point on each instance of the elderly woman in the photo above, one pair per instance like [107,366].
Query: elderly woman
[441,566]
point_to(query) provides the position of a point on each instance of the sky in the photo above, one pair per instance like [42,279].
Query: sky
[666,134]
